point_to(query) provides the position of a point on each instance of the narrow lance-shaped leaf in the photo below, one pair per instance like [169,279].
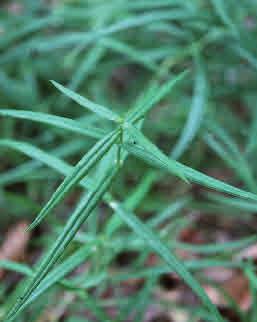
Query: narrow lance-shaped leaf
[81,213]
[230,152]
[136,114]
[83,39]
[28,28]
[219,6]
[130,52]
[252,133]
[96,108]
[83,70]
[50,158]
[59,272]
[15,267]
[138,142]
[195,114]
[47,159]
[245,54]
[238,163]
[57,121]
[215,128]
[141,147]
[34,153]
[216,248]
[164,252]
[168,212]
[55,276]
[79,172]
[236,203]
[192,265]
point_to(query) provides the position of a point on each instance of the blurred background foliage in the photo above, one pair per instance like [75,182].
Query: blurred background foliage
[108,51]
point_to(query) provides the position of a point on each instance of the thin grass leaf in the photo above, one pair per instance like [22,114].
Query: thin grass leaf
[93,107]
[252,133]
[231,154]
[59,272]
[237,203]
[57,121]
[224,136]
[47,159]
[132,201]
[219,7]
[35,153]
[83,70]
[239,165]
[195,115]
[16,267]
[245,54]
[85,38]
[169,212]
[151,4]
[81,213]
[29,28]
[137,143]
[40,157]
[132,53]
[192,265]
[22,171]
[221,248]
[139,112]
[141,147]
[79,172]
[164,252]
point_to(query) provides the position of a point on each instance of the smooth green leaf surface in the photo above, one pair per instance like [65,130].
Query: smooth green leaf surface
[195,115]
[96,108]
[79,172]
[53,120]
[80,214]
[143,148]
[164,252]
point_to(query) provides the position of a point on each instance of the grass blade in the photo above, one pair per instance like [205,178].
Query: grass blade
[238,163]
[164,252]
[57,121]
[195,115]
[96,108]
[35,153]
[59,272]
[51,161]
[219,248]
[23,170]
[83,70]
[81,213]
[79,172]
[141,147]
[219,7]
[136,114]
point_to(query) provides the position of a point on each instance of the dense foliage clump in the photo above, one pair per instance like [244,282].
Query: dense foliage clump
[128,140]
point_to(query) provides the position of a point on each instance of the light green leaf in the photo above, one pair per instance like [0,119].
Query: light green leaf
[141,147]
[79,172]
[57,121]
[78,217]
[155,96]
[96,108]
[164,252]
[195,115]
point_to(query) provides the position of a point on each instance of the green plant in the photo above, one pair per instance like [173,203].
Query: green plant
[127,136]
[120,136]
